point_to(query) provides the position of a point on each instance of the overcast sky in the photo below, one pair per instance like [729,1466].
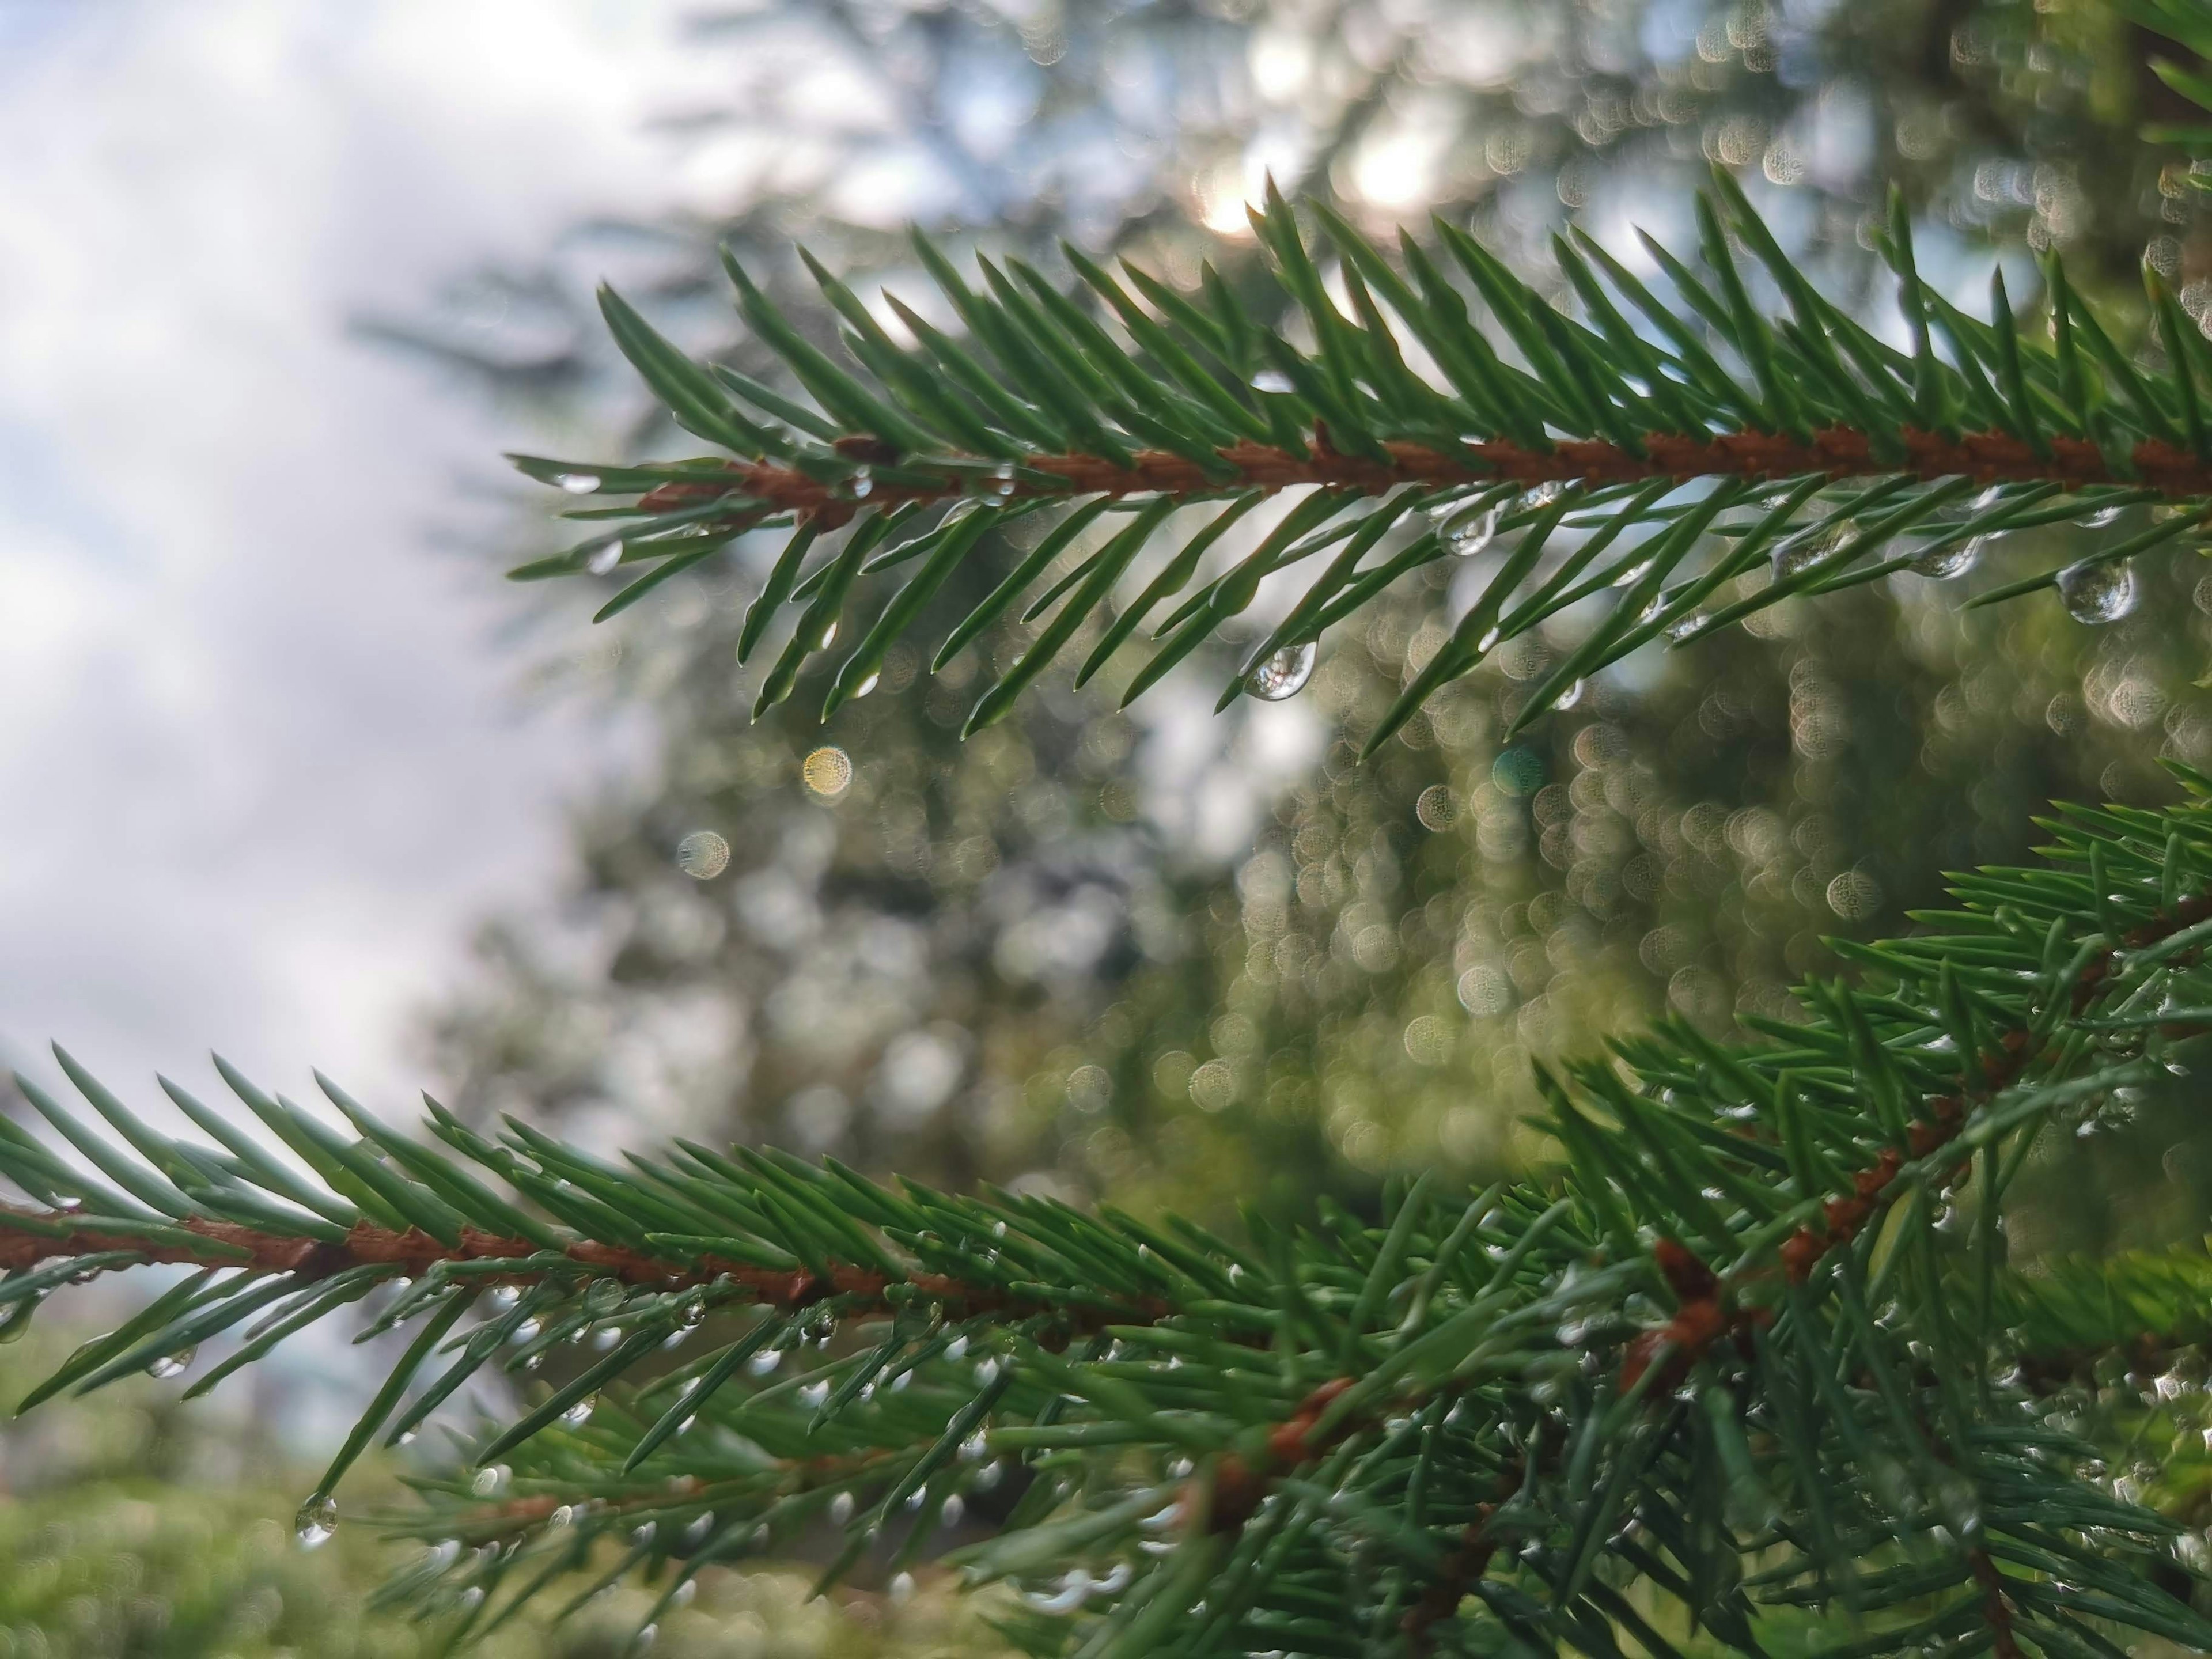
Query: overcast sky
[261,766]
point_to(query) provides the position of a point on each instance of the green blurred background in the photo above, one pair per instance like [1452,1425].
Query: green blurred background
[1160,957]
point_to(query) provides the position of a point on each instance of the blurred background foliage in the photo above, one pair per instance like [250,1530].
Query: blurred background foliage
[1171,959]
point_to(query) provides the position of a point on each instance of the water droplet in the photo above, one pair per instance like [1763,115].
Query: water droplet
[170,1365]
[645,1637]
[986,1372]
[988,1477]
[1068,1593]
[1002,480]
[902,1587]
[606,1336]
[812,1395]
[1491,635]
[862,484]
[827,772]
[702,855]
[561,1518]
[578,484]
[1470,530]
[840,1509]
[899,1383]
[956,1349]
[577,1415]
[2103,517]
[472,1598]
[525,1332]
[950,1514]
[2098,593]
[317,1520]
[15,1323]
[974,1447]
[764,1362]
[1635,573]
[1570,697]
[488,1482]
[603,559]
[505,1296]
[1273,380]
[1801,552]
[828,638]
[867,685]
[1683,627]
[642,1536]
[406,1437]
[696,1534]
[1546,494]
[1283,674]
[691,1311]
[682,1595]
[1951,559]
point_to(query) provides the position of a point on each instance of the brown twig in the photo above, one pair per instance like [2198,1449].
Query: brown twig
[47,1236]
[1841,451]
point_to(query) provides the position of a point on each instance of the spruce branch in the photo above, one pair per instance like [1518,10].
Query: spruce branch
[1686,458]
[1735,1357]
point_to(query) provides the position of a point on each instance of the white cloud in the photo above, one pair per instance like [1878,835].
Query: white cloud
[259,768]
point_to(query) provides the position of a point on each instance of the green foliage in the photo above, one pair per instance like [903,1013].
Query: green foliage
[1754,1343]
[1679,460]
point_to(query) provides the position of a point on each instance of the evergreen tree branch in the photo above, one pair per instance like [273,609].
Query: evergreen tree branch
[1443,407]
[1727,1355]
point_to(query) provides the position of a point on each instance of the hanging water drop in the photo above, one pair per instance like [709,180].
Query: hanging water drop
[1570,697]
[1682,628]
[950,1512]
[1283,674]
[525,1332]
[577,1415]
[1634,574]
[902,1587]
[828,638]
[862,484]
[606,1336]
[505,1296]
[1807,548]
[1948,560]
[702,855]
[603,559]
[2103,519]
[472,1598]
[764,1362]
[691,1311]
[15,1322]
[682,1595]
[1540,497]
[317,1520]
[696,1534]
[2098,592]
[645,1637]
[840,1509]
[170,1365]
[641,1537]
[867,685]
[1470,530]
[814,1396]
[972,1449]
[1491,635]
[1273,380]
[488,1482]
[578,484]
[1002,480]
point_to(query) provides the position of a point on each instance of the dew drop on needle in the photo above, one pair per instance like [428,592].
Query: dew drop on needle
[1285,673]
[317,1520]
[2098,592]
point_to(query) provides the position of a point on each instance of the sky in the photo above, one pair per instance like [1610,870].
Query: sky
[262,764]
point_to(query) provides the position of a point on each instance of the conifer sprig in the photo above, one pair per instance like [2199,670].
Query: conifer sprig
[1753,1346]
[1673,450]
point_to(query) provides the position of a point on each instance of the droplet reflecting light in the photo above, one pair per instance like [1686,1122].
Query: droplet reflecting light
[1283,674]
